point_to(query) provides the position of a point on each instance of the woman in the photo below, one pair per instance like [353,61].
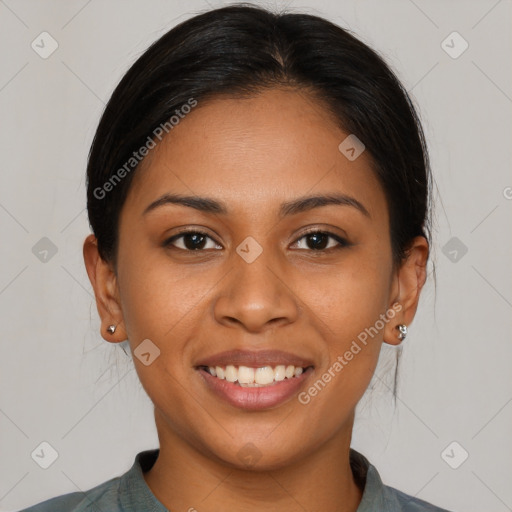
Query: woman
[258,190]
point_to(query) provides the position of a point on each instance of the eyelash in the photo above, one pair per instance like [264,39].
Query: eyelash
[342,243]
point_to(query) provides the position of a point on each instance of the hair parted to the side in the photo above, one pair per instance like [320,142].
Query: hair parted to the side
[238,51]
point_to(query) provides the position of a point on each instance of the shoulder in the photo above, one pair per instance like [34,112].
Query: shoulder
[126,493]
[405,503]
[377,496]
[101,497]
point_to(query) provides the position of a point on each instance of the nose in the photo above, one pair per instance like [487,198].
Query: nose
[256,296]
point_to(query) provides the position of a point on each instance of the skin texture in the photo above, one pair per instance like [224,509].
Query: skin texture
[254,154]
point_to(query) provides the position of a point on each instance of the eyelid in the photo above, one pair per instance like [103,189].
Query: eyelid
[185,231]
[341,240]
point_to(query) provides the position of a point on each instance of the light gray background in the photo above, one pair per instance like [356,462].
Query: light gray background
[61,383]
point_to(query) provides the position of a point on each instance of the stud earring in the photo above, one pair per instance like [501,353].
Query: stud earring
[111,329]
[403,331]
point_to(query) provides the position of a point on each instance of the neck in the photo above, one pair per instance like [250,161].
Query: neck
[185,478]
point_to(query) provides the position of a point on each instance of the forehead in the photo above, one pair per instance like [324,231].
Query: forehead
[281,143]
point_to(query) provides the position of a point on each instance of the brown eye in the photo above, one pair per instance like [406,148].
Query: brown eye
[190,241]
[319,241]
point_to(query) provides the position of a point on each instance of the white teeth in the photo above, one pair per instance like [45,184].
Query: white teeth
[245,375]
[231,373]
[255,377]
[264,375]
[279,373]
[289,372]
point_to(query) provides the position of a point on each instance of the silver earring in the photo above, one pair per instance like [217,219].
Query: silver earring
[111,329]
[403,331]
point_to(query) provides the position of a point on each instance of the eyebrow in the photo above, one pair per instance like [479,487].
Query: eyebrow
[299,205]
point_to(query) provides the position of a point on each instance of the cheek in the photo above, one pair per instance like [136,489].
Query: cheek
[160,305]
[350,303]
[156,297]
[350,298]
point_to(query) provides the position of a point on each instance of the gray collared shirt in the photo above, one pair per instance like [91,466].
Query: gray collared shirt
[130,493]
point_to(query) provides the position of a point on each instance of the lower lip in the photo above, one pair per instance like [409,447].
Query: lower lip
[257,398]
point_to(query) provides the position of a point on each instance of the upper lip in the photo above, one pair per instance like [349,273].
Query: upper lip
[255,359]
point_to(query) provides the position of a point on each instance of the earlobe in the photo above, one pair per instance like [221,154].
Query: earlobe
[395,332]
[408,282]
[104,282]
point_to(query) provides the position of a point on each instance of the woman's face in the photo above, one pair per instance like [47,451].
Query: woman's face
[256,281]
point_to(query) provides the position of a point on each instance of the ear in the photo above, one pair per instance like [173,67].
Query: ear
[106,291]
[406,287]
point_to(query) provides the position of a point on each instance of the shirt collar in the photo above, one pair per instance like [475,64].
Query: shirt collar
[368,479]
[135,493]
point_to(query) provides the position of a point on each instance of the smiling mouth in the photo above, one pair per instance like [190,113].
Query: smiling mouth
[263,376]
